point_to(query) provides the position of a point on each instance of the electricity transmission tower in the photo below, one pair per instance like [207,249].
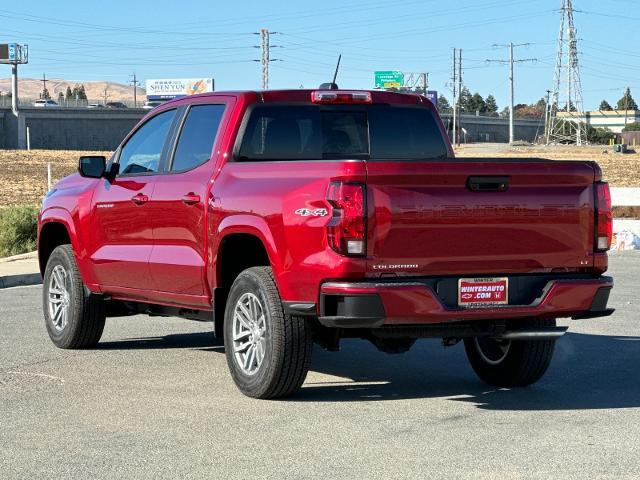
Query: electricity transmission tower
[568,126]
[415,81]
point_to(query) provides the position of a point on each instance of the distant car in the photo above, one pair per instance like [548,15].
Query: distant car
[95,105]
[151,104]
[116,105]
[45,103]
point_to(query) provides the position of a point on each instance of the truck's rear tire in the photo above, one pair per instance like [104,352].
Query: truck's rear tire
[73,316]
[268,352]
[511,363]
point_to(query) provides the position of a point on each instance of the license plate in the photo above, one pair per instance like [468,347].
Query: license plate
[481,292]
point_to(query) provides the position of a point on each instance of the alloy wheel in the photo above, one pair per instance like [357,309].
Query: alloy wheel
[249,333]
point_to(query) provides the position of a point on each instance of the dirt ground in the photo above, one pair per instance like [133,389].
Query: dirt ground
[620,170]
[23,174]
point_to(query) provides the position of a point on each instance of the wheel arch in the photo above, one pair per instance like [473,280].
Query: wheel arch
[57,228]
[238,248]
[53,232]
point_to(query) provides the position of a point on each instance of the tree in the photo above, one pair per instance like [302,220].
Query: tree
[79,93]
[604,106]
[632,127]
[60,97]
[627,102]
[599,136]
[44,95]
[69,94]
[464,99]
[491,106]
[476,104]
[523,110]
[443,104]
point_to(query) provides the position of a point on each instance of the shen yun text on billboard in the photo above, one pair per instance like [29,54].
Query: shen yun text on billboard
[166,89]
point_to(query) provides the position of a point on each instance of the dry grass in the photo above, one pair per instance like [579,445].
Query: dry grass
[620,170]
[23,174]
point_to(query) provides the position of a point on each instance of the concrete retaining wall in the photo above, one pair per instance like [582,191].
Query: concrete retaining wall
[496,129]
[103,129]
[67,129]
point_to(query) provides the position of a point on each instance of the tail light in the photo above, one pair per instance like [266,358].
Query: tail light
[346,229]
[604,222]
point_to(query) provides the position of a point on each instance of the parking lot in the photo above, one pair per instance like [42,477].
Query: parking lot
[154,400]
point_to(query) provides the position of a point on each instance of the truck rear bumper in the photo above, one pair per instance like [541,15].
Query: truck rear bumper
[374,304]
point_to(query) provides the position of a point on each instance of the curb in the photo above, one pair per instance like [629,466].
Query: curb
[22,256]
[20,280]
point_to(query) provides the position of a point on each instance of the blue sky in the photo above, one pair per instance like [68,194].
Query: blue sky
[109,40]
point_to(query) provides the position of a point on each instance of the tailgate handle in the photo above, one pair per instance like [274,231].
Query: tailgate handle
[488,184]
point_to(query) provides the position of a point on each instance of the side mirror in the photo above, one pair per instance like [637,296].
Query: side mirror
[92,167]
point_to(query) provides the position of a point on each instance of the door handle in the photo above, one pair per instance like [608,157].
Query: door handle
[191,198]
[140,199]
[488,184]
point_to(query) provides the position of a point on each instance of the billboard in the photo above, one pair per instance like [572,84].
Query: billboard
[388,79]
[432,95]
[13,53]
[168,88]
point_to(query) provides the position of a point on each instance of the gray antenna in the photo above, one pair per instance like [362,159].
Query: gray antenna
[335,75]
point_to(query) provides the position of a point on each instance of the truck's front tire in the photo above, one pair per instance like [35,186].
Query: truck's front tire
[511,363]
[74,317]
[268,352]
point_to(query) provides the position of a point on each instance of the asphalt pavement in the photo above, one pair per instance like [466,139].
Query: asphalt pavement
[154,400]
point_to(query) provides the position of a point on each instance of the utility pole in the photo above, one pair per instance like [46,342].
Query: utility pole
[455,97]
[265,57]
[16,54]
[547,114]
[511,61]
[511,101]
[264,35]
[459,93]
[44,87]
[626,106]
[134,81]
[14,89]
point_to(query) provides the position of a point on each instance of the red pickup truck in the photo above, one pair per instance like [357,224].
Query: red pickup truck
[301,216]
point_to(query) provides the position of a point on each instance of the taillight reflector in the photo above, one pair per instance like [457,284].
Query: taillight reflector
[346,229]
[604,220]
[342,96]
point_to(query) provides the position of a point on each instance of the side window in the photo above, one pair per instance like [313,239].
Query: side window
[197,137]
[141,153]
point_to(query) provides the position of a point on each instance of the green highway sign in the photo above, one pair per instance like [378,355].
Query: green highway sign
[389,79]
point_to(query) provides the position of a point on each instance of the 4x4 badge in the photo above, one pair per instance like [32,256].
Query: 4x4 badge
[309,212]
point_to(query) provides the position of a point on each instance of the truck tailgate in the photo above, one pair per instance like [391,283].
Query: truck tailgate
[451,217]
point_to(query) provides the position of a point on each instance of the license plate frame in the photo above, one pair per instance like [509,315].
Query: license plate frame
[491,292]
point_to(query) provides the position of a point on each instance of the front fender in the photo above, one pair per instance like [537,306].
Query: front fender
[62,216]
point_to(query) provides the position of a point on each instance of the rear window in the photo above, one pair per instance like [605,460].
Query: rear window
[313,132]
